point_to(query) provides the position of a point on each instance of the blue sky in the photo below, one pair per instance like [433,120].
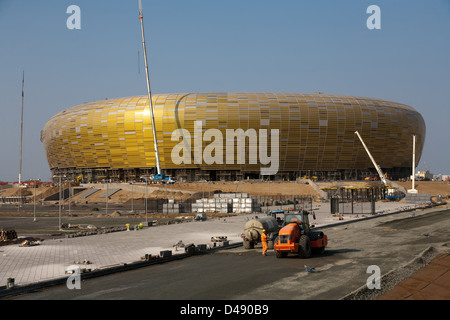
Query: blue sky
[219,45]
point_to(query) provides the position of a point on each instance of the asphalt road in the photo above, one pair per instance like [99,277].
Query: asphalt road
[238,274]
[47,220]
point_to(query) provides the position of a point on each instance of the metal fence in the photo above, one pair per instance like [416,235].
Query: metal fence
[213,205]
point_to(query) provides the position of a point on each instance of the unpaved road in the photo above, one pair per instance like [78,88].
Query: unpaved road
[388,242]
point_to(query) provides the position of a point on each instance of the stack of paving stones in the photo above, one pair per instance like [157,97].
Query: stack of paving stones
[226,203]
[6,235]
[172,207]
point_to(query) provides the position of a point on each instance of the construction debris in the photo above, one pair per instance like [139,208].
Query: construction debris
[6,235]
[309,269]
[200,217]
[28,243]
[219,239]
[165,253]
[9,283]
[85,261]
[189,248]
[179,244]
[148,257]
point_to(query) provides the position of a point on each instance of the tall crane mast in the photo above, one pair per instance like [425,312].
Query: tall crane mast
[380,173]
[152,114]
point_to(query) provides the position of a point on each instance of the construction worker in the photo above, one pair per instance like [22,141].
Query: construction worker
[264,242]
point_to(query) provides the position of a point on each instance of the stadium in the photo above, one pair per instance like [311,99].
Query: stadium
[234,136]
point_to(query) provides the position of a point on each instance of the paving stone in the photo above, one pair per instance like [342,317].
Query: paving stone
[435,292]
[50,259]
[429,283]
[413,284]
[397,293]
[430,273]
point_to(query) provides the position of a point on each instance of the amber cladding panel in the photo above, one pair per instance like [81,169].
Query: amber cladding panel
[316,131]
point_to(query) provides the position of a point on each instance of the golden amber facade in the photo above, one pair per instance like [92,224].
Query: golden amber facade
[316,131]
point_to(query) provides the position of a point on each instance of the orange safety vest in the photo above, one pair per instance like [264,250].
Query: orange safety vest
[263,237]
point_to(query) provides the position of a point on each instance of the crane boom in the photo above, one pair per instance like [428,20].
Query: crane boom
[380,173]
[150,102]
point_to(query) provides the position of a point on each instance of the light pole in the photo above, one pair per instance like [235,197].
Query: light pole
[146,185]
[107,197]
[59,198]
[34,202]
[59,204]
[70,194]
[132,198]
[21,138]
[413,177]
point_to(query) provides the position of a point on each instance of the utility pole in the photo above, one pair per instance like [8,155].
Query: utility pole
[59,203]
[132,198]
[107,197]
[34,202]
[21,131]
[414,162]
[21,138]
[158,164]
[413,177]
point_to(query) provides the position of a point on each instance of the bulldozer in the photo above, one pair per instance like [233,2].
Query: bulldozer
[296,236]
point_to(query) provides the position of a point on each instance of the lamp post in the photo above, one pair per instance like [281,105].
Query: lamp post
[146,185]
[414,165]
[59,204]
[107,196]
[59,198]
[70,193]
[132,197]
[34,202]
[21,138]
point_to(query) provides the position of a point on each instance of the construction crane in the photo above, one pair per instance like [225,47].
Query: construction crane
[380,173]
[158,164]
[390,185]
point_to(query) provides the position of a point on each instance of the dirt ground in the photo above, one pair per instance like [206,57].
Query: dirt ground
[41,192]
[252,188]
[183,191]
[178,191]
[432,187]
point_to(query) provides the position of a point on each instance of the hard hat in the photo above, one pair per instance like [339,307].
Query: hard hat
[264,230]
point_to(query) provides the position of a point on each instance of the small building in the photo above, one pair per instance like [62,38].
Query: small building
[424,175]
